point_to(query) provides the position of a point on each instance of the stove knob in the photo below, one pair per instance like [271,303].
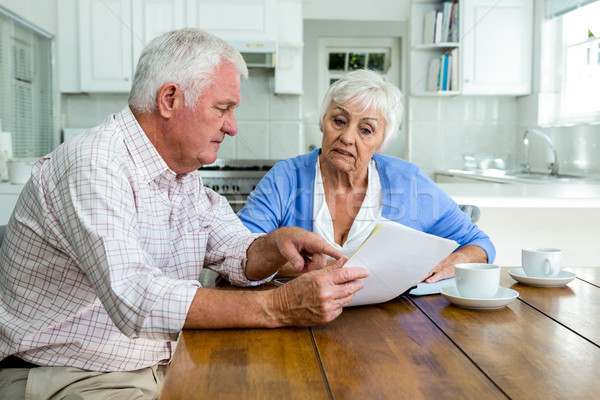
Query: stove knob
[235,188]
[225,188]
[215,188]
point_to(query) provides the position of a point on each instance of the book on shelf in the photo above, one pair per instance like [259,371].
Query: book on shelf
[453,25]
[443,72]
[446,10]
[429,27]
[441,24]
[433,75]
[454,70]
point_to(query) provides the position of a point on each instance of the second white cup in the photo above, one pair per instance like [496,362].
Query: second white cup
[477,280]
[541,262]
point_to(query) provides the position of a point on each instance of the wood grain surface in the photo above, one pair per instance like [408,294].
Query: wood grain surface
[543,345]
[245,364]
[526,353]
[392,351]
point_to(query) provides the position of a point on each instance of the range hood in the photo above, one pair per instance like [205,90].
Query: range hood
[257,54]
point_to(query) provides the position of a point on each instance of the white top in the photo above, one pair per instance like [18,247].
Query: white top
[520,195]
[368,217]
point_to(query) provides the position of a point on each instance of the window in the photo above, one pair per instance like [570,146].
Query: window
[571,64]
[341,61]
[337,56]
[25,86]
[581,81]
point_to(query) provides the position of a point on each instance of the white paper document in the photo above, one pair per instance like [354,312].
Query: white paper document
[424,289]
[398,258]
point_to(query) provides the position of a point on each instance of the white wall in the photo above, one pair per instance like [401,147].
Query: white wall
[317,28]
[373,10]
[41,13]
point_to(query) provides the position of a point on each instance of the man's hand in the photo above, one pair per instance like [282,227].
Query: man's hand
[313,298]
[306,251]
[316,297]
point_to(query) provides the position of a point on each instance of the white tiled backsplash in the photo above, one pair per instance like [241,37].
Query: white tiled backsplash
[269,125]
[441,130]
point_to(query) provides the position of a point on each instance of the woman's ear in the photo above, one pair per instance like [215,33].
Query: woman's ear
[169,99]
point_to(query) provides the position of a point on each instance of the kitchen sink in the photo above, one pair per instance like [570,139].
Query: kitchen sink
[516,176]
[546,177]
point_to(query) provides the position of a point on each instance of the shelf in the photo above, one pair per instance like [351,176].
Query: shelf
[422,53]
[441,93]
[436,46]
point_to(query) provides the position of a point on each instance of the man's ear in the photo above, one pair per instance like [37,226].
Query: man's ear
[168,99]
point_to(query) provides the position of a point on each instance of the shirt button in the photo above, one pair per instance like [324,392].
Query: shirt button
[169,175]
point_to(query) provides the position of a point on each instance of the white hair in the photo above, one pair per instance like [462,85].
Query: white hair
[187,57]
[368,90]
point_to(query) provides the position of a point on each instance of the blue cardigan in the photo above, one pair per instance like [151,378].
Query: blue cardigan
[284,197]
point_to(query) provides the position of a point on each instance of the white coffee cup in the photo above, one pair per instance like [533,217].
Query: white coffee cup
[541,262]
[477,280]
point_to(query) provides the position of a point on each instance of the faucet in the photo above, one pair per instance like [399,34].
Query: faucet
[553,166]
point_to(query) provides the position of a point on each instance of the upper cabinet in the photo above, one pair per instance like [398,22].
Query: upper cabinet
[490,53]
[497,46]
[105,45]
[151,18]
[252,20]
[113,33]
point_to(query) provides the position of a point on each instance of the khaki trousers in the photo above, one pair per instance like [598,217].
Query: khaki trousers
[76,384]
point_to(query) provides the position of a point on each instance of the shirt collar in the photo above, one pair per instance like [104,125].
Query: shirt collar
[143,153]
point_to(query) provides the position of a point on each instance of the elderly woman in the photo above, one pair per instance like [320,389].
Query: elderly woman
[345,189]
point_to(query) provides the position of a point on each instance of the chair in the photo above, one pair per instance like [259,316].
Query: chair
[472,211]
[2,229]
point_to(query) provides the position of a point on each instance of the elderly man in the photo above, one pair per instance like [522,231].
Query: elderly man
[100,263]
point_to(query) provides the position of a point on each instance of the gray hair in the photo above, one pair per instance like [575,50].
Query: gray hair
[187,57]
[368,90]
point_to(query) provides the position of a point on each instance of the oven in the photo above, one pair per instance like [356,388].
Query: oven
[235,179]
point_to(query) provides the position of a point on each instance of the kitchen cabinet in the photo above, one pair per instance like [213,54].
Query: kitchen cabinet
[496,45]
[151,18]
[105,46]
[494,48]
[251,20]
[288,68]
[113,33]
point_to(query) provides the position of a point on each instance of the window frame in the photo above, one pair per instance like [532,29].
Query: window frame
[28,97]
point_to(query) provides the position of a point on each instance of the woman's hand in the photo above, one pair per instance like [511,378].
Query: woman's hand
[445,269]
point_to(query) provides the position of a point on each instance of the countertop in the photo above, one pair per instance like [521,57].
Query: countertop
[521,195]
[484,194]
[9,188]
[500,176]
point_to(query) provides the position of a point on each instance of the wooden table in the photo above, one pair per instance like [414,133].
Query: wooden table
[543,345]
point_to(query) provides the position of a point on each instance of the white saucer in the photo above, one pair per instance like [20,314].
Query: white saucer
[561,279]
[501,299]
